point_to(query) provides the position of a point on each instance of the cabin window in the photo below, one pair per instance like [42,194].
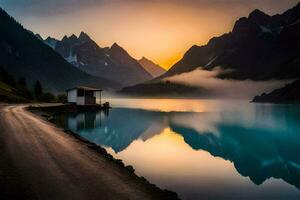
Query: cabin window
[80,93]
[89,93]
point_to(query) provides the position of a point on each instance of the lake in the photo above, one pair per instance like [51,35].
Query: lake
[202,149]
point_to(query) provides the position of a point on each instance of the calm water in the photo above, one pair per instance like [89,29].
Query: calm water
[202,149]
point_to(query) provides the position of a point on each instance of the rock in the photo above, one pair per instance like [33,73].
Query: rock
[94,147]
[130,169]
[45,115]
[171,195]
[68,131]
[119,162]
[50,118]
[102,151]
[144,179]
[110,157]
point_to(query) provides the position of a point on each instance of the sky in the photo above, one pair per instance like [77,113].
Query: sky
[161,30]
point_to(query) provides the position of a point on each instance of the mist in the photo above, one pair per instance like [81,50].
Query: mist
[226,88]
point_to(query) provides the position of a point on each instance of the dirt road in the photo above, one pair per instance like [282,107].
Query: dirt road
[40,161]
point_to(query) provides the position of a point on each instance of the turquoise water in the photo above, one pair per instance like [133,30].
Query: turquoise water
[202,149]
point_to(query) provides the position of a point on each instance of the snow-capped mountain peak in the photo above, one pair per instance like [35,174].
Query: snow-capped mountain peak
[87,55]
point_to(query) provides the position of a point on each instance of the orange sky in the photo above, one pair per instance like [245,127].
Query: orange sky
[159,30]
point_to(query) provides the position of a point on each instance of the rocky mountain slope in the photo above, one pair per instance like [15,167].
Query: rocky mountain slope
[154,69]
[113,63]
[259,47]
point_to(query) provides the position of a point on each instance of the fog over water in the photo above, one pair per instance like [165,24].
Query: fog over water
[226,88]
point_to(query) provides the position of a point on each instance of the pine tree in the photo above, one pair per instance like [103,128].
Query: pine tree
[38,90]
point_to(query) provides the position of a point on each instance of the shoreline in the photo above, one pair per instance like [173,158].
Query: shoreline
[46,112]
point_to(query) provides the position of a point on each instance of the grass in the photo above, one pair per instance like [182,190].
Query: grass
[5,87]
[8,94]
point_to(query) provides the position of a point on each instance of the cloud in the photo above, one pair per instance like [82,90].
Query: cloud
[47,8]
[52,7]
[226,88]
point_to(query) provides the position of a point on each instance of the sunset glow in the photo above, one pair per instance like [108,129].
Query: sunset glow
[150,99]
[160,31]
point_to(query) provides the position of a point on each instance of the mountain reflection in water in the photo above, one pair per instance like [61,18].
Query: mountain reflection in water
[261,141]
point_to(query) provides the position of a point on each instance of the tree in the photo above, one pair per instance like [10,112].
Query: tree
[23,90]
[38,90]
[47,97]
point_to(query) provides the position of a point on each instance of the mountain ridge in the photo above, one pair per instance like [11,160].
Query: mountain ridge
[154,69]
[260,47]
[109,62]
[257,48]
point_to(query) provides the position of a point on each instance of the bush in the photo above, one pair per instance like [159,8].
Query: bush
[62,98]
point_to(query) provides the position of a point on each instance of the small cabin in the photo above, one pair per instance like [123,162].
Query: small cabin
[84,95]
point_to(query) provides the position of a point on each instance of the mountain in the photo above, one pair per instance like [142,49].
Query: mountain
[154,69]
[288,94]
[23,54]
[259,47]
[113,63]
[39,37]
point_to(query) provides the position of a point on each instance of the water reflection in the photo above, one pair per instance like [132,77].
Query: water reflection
[261,141]
[116,130]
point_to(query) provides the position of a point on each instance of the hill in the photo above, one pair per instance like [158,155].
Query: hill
[165,89]
[287,94]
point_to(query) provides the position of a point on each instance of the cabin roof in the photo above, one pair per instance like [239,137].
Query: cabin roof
[84,88]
